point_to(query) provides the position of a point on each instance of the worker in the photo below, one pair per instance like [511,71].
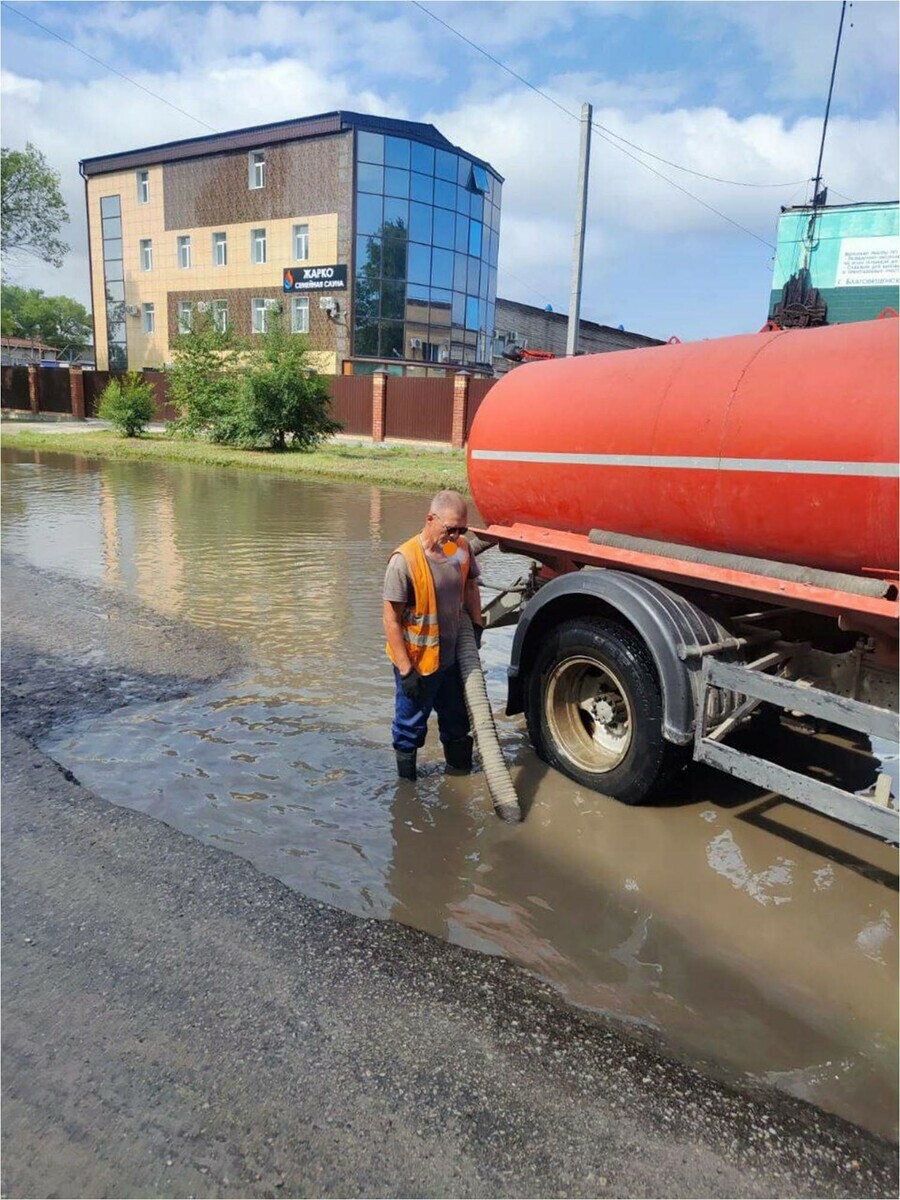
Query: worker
[428,582]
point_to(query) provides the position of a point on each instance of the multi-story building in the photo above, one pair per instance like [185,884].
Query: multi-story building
[378,237]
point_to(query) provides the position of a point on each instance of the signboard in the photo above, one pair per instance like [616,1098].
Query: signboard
[316,279]
[869,262]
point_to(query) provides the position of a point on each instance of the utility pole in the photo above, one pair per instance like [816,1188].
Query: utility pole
[584,166]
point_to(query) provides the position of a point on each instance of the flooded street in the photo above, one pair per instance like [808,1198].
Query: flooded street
[745,931]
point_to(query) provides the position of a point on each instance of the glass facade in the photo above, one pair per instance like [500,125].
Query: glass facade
[114,277]
[427,238]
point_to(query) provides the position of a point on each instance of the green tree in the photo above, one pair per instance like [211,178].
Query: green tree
[381,286]
[129,404]
[281,397]
[32,210]
[55,320]
[204,375]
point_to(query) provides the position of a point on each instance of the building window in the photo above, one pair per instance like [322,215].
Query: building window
[149,318]
[220,314]
[146,254]
[257,245]
[259,310]
[300,314]
[143,187]
[301,243]
[185,316]
[220,250]
[184,252]
[257,168]
[114,281]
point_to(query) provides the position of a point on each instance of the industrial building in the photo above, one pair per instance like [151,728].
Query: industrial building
[524,333]
[836,263]
[378,238]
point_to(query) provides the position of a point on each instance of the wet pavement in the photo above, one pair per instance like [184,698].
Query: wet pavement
[744,932]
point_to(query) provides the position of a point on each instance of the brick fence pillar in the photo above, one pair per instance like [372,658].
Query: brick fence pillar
[34,388]
[76,391]
[460,409]
[379,404]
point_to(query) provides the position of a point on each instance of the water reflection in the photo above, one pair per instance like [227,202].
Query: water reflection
[744,929]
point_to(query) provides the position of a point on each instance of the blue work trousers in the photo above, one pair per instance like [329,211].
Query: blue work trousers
[442,692]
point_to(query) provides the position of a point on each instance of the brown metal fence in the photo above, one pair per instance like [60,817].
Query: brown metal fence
[14,389]
[55,396]
[94,383]
[419,408]
[478,389]
[351,402]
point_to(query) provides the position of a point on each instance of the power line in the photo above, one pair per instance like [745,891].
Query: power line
[107,67]
[602,128]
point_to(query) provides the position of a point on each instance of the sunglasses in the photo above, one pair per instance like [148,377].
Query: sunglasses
[451,530]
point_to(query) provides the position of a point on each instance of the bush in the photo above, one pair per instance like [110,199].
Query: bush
[203,377]
[129,404]
[280,399]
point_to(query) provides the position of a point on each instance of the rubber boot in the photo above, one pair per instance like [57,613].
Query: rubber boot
[459,755]
[406,764]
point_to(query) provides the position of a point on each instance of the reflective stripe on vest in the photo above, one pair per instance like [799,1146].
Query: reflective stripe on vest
[421,631]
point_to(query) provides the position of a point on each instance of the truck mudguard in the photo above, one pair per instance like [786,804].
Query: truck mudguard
[666,622]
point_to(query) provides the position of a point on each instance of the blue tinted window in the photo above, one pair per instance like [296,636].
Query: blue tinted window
[475,238]
[493,246]
[419,266]
[369,147]
[473,276]
[115,292]
[462,234]
[420,222]
[417,291]
[480,178]
[112,227]
[458,308]
[471,312]
[421,187]
[396,152]
[444,223]
[463,171]
[393,299]
[393,255]
[396,183]
[396,212]
[110,206]
[460,270]
[445,193]
[441,295]
[442,268]
[368,213]
[423,158]
[369,177]
[463,199]
[483,286]
[476,206]
[112,247]
[368,253]
[492,284]
[491,317]
[445,165]
[390,343]
[112,269]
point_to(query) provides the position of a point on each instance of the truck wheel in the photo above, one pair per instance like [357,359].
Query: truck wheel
[595,710]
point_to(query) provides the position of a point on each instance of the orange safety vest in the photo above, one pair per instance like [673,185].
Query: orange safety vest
[421,632]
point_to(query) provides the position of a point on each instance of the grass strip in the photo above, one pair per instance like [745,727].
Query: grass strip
[387,466]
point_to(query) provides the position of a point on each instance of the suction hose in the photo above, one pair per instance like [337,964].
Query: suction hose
[500,785]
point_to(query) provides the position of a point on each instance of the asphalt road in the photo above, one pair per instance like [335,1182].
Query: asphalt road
[177,1024]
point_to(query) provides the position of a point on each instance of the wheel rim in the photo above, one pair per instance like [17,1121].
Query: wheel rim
[588,714]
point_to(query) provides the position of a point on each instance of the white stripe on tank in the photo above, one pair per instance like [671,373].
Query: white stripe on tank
[784,466]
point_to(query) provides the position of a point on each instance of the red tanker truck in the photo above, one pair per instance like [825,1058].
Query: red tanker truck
[711,527]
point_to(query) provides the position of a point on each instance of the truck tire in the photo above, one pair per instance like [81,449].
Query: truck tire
[595,710]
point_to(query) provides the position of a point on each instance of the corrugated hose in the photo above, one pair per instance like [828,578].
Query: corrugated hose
[496,772]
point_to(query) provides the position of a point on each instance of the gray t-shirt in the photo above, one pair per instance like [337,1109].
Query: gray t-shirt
[445,571]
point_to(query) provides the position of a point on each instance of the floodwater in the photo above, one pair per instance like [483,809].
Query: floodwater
[747,932]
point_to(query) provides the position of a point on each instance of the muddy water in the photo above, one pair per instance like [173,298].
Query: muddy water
[745,931]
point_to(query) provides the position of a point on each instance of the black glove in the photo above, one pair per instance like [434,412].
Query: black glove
[478,630]
[412,685]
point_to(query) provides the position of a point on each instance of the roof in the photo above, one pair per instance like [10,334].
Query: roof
[260,136]
[562,318]
[792,208]
[18,343]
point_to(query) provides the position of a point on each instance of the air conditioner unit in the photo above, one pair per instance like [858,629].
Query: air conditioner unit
[328,304]
[203,306]
[132,310]
[415,343]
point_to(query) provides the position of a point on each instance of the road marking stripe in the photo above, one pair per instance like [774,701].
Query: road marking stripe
[785,466]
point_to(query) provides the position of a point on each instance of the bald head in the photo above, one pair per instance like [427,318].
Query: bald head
[450,506]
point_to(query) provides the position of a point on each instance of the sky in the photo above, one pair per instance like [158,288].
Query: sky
[734,90]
